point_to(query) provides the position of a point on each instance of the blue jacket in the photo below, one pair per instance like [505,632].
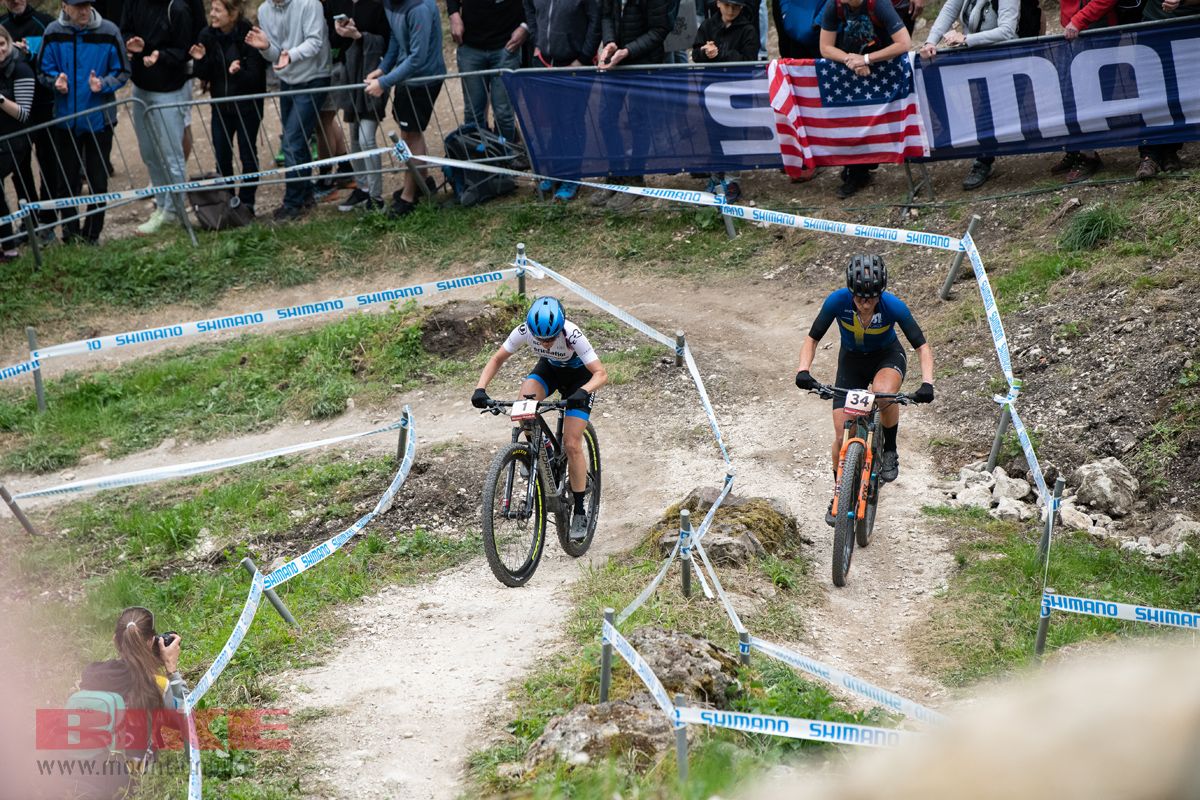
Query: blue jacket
[415,47]
[78,52]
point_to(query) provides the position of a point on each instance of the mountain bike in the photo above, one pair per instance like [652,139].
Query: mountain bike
[527,479]
[858,483]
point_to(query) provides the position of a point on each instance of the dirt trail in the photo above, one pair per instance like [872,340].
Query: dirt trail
[422,679]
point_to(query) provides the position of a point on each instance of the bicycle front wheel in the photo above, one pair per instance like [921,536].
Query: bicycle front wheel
[591,449]
[847,507]
[514,515]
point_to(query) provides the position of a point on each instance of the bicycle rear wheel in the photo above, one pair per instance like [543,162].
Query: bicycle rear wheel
[514,535]
[847,507]
[591,449]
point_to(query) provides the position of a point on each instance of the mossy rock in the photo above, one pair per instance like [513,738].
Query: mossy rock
[763,518]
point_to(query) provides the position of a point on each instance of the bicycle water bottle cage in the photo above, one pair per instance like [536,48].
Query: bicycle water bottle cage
[858,403]
[524,410]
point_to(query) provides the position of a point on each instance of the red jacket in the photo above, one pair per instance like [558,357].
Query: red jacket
[1088,13]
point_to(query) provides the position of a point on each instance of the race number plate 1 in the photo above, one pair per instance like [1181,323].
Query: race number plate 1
[858,403]
[524,409]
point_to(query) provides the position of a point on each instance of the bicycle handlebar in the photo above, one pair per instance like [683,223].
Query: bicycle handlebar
[829,392]
[495,406]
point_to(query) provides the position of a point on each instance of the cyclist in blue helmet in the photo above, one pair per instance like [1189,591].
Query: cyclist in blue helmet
[566,364]
[871,353]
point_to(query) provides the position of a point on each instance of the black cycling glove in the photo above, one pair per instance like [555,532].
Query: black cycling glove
[805,381]
[924,394]
[480,399]
[578,399]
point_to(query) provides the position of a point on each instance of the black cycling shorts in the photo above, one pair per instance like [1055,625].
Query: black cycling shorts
[857,370]
[564,380]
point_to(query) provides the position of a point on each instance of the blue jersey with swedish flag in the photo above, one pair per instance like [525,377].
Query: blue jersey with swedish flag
[879,332]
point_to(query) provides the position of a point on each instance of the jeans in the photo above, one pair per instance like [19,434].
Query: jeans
[299,113]
[477,90]
[237,121]
[362,138]
[160,141]
[82,152]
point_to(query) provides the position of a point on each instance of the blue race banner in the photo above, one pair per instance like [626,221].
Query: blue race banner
[1109,88]
[1117,88]
[579,123]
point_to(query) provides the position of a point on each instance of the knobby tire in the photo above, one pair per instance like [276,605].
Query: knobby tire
[591,450]
[867,524]
[847,506]
[514,456]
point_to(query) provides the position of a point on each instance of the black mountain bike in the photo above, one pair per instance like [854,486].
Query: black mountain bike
[526,480]
[858,483]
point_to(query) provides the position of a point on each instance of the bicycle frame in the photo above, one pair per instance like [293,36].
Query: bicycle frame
[864,434]
[552,470]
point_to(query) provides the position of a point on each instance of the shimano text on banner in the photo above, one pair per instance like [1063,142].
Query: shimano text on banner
[1122,611]
[231,645]
[812,729]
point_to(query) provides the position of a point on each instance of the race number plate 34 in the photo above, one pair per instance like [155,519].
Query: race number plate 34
[858,403]
[524,409]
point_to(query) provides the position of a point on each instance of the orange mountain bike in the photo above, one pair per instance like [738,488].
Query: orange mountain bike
[858,483]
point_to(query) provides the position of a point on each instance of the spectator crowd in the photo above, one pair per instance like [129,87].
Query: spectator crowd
[66,71]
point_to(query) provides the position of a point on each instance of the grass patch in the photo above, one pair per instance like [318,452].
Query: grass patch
[133,273]
[1092,227]
[130,548]
[719,759]
[1030,280]
[986,621]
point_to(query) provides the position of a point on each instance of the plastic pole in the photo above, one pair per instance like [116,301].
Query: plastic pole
[606,660]
[952,276]
[685,550]
[272,596]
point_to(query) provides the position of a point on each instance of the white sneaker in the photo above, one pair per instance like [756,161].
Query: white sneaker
[156,222]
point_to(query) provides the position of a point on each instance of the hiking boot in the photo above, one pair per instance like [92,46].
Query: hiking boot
[622,201]
[978,176]
[356,199]
[849,188]
[1171,163]
[1065,164]
[890,466]
[733,192]
[1084,168]
[830,520]
[323,188]
[600,197]
[287,213]
[579,526]
[1147,169]
[545,187]
[566,192]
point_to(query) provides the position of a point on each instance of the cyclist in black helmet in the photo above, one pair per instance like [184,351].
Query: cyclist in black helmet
[871,354]
[566,364]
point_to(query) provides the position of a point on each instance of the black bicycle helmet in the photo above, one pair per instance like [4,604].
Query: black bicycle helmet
[866,276]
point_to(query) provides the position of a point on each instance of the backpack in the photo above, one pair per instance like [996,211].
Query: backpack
[218,208]
[469,142]
[1029,23]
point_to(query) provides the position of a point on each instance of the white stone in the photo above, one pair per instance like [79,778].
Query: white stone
[969,477]
[1107,486]
[1015,488]
[974,497]
[1182,528]
[1073,519]
[1010,509]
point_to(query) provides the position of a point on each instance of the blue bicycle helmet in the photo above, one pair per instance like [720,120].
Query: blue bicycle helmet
[545,318]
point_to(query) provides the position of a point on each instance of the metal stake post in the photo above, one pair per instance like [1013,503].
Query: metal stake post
[1051,512]
[401,444]
[35,246]
[606,660]
[957,262]
[744,647]
[17,512]
[681,744]
[1039,646]
[521,270]
[1001,429]
[680,341]
[685,550]
[270,595]
[39,390]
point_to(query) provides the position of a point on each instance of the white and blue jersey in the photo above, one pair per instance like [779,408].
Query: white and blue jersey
[570,348]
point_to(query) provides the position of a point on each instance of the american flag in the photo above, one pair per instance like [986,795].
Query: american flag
[825,115]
